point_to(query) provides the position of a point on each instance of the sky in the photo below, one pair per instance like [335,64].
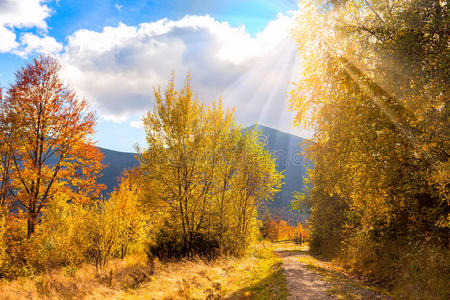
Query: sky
[113,53]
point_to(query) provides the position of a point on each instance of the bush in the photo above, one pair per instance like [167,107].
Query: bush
[423,274]
[170,245]
[68,235]
[15,249]
[58,240]
[414,270]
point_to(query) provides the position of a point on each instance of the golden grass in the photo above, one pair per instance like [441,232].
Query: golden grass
[255,276]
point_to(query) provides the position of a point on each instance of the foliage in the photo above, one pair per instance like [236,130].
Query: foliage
[45,136]
[124,213]
[208,175]
[71,234]
[374,89]
[112,227]
[197,191]
[275,230]
[59,240]
[15,249]
[5,164]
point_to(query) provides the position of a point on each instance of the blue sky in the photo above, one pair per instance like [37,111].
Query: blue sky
[114,52]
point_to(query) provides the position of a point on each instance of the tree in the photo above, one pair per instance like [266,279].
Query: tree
[224,147]
[123,214]
[174,158]
[374,90]
[48,140]
[210,175]
[254,181]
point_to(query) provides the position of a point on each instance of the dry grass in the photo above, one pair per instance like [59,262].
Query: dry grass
[256,276]
[424,275]
[83,283]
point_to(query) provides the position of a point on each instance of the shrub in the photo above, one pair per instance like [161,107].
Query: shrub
[69,234]
[15,249]
[423,274]
[170,245]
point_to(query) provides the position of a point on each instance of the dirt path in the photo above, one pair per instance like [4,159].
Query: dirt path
[310,278]
[302,283]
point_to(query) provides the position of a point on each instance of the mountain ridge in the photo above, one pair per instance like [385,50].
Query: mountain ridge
[285,146]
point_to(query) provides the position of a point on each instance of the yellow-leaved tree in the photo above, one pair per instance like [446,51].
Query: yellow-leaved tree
[374,88]
[210,175]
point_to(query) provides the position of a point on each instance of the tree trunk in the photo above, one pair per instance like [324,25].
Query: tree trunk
[31,223]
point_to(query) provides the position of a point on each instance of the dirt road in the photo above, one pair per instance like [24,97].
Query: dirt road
[310,278]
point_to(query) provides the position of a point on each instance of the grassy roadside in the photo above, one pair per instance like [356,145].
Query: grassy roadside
[264,279]
[255,276]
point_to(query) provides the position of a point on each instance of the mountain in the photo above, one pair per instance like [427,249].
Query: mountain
[286,147]
[116,162]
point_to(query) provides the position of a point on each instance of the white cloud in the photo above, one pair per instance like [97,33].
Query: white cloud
[117,68]
[33,43]
[24,14]
[118,6]
[8,40]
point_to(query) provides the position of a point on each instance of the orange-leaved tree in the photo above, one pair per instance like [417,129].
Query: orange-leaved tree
[49,140]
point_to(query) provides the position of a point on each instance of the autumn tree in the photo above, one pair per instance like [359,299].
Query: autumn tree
[46,130]
[374,88]
[123,214]
[276,229]
[222,135]
[254,182]
[211,175]
[270,229]
[174,158]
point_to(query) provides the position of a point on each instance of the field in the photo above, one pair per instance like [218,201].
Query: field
[254,276]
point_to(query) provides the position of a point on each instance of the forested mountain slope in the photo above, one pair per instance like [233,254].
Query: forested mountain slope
[115,163]
[286,147]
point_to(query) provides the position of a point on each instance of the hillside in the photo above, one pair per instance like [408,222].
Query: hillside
[115,163]
[285,146]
